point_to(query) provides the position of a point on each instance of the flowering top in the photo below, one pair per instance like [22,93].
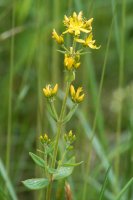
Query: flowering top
[77,24]
[75,95]
[49,91]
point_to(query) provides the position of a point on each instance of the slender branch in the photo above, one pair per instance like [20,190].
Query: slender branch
[52,106]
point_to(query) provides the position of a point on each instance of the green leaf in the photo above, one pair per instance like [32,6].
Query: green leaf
[52,170]
[72,164]
[71,160]
[36,183]
[62,172]
[70,114]
[50,148]
[61,51]
[9,185]
[84,53]
[38,160]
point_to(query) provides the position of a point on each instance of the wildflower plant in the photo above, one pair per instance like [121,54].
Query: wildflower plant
[80,29]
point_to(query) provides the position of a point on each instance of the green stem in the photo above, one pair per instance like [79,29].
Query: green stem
[59,126]
[53,110]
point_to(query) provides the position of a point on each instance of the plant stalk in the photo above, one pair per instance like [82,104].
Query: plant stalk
[59,127]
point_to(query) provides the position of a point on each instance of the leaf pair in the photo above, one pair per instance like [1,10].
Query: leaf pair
[57,174]
[39,183]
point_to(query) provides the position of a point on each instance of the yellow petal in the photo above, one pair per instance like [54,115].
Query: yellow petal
[54,34]
[93,46]
[89,38]
[41,137]
[80,41]
[45,91]
[89,22]
[80,15]
[80,89]
[66,20]
[72,90]
[74,15]
[55,89]
[81,98]
[59,39]
[84,30]
[45,136]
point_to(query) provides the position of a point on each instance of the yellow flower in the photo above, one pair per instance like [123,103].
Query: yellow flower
[75,95]
[88,42]
[49,91]
[44,138]
[59,39]
[77,24]
[69,62]
[69,137]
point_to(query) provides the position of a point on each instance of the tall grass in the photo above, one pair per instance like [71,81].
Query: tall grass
[121,80]
[94,125]
[9,123]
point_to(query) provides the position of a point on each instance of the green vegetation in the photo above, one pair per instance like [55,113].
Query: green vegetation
[103,123]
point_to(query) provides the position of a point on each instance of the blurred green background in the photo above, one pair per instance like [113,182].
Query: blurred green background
[29,60]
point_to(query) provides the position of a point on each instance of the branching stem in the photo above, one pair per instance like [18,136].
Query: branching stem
[59,127]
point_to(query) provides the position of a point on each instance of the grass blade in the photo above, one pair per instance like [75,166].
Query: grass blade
[7,181]
[125,188]
[9,123]
[104,184]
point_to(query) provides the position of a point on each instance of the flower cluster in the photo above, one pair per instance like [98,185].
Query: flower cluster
[71,62]
[75,26]
[69,137]
[44,139]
